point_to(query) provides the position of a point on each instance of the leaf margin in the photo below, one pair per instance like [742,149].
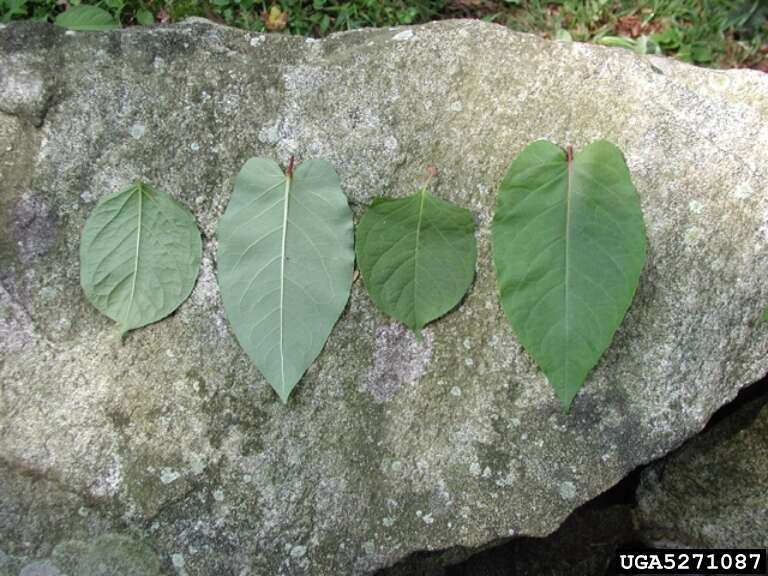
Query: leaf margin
[142,189]
[288,182]
[560,154]
[422,195]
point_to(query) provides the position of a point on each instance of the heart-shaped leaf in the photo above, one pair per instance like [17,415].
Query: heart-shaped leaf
[139,256]
[285,264]
[416,256]
[569,245]
[85,18]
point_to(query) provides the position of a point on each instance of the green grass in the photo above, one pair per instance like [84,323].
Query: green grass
[722,33]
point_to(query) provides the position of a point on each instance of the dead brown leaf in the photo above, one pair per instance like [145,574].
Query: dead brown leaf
[633,26]
[275,19]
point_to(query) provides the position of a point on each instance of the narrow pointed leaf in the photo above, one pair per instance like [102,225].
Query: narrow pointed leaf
[139,256]
[285,264]
[85,18]
[416,256]
[569,245]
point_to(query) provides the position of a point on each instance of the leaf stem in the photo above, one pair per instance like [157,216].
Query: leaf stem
[289,172]
[431,173]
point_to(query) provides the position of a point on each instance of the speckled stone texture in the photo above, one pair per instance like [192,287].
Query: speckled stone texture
[713,492]
[389,445]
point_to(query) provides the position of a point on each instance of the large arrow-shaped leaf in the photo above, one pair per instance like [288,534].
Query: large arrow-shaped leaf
[568,245]
[416,256]
[139,256]
[285,264]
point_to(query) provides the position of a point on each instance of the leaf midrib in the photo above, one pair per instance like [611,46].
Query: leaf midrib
[282,281]
[136,257]
[568,193]
[423,193]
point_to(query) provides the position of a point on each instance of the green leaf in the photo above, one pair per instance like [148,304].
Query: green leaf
[616,41]
[12,8]
[285,264]
[765,315]
[87,19]
[116,5]
[139,256]
[668,39]
[416,256]
[568,243]
[644,45]
[702,53]
[144,17]
[563,35]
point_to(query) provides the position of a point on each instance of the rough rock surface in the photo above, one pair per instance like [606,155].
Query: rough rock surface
[713,492]
[389,445]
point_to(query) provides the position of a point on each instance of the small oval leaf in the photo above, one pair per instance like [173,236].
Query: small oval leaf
[139,256]
[569,245]
[145,17]
[285,264]
[416,256]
